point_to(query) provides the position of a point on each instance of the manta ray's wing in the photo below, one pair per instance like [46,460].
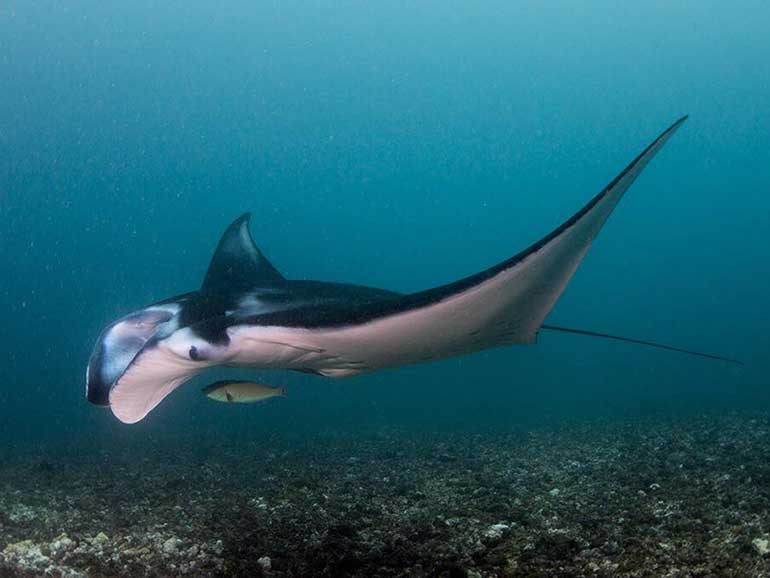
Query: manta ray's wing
[505,304]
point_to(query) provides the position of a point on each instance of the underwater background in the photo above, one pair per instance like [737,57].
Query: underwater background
[396,144]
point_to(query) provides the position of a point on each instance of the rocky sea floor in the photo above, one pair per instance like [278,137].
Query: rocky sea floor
[657,497]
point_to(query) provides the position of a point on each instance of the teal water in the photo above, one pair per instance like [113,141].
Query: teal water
[401,145]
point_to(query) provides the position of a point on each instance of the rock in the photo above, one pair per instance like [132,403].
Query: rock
[496,531]
[259,503]
[555,492]
[100,539]
[171,545]
[27,556]
[21,513]
[265,563]
[761,545]
[18,548]
[61,544]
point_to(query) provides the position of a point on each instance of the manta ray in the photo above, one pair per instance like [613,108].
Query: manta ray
[246,314]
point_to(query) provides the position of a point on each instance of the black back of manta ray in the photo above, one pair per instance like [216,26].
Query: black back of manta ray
[238,263]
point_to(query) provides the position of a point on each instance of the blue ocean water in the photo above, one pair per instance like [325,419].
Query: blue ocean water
[400,145]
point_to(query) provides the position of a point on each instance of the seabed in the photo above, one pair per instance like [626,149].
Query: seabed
[657,497]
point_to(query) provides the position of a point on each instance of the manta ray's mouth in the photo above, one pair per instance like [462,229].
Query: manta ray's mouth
[117,347]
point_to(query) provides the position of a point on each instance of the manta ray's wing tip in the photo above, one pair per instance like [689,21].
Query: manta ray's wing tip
[679,121]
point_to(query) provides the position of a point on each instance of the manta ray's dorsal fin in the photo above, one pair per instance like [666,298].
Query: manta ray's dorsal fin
[238,263]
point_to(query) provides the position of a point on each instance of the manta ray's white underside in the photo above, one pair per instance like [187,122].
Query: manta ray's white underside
[506,304]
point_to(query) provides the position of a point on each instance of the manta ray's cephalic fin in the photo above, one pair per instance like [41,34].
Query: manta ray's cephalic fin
[238,263]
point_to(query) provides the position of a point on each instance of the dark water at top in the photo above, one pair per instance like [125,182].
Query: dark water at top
[396,144]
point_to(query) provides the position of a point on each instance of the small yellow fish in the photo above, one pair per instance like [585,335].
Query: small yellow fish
[241,391]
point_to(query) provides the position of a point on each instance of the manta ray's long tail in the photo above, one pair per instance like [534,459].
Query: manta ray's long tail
[640,342]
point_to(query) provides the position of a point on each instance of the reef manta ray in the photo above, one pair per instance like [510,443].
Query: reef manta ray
[246,314]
